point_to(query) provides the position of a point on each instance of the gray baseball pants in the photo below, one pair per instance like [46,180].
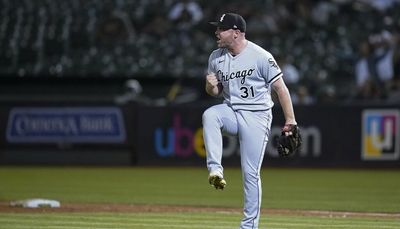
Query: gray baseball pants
[252,129]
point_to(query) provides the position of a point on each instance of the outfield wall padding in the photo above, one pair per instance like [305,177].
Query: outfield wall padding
[139,134]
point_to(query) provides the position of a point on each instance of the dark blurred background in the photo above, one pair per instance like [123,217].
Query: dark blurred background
[134,71]
[329,50]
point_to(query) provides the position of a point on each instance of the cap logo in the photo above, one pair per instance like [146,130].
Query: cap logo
[222,18]
[234,26]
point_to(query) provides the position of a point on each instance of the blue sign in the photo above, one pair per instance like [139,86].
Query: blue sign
[66,124]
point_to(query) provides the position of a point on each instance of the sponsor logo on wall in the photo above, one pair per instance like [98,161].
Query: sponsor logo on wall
[65,124]
[380,134]
[311,142]
[183,141]
[180,140]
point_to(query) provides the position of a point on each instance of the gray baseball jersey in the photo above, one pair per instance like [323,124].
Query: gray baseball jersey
[246,78]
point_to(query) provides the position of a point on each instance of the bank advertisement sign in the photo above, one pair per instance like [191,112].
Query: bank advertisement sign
[65,124]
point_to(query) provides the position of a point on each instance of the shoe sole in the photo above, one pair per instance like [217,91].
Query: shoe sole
[217,182]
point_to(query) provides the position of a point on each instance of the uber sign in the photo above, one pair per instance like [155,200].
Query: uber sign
[65,124]
[311,146]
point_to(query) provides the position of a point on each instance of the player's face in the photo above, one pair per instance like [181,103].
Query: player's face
[225,37]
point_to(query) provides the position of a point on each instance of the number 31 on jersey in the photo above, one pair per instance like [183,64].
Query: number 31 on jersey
[246,92]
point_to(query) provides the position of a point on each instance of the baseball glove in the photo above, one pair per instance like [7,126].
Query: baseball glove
[290,140]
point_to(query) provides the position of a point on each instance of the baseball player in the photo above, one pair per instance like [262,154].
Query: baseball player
[242,73]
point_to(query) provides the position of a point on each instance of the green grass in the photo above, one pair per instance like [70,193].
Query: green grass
[315,189]
[200,220]
[308,189]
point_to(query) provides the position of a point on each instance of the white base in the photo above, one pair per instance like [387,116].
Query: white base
[36,203]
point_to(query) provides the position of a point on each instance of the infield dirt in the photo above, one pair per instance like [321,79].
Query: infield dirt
[137,208]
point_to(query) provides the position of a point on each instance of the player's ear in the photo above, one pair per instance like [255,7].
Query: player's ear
[236,34]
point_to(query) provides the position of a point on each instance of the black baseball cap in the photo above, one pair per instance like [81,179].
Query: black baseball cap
[231,21]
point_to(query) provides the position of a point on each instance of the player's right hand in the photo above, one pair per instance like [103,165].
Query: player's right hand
[211,80]
[212,83]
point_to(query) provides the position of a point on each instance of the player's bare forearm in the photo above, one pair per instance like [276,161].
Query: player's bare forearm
[213,87]
[284,99]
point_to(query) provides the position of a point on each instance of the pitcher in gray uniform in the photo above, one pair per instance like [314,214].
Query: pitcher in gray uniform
[244,74]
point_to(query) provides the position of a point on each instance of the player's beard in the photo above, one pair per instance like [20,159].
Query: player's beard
[223,44]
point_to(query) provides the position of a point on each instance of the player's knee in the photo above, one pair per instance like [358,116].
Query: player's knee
[209,115]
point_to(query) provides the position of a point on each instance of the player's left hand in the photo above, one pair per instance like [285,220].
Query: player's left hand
[290,140]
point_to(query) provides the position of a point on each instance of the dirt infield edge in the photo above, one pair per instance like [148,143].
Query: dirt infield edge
[140,208]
